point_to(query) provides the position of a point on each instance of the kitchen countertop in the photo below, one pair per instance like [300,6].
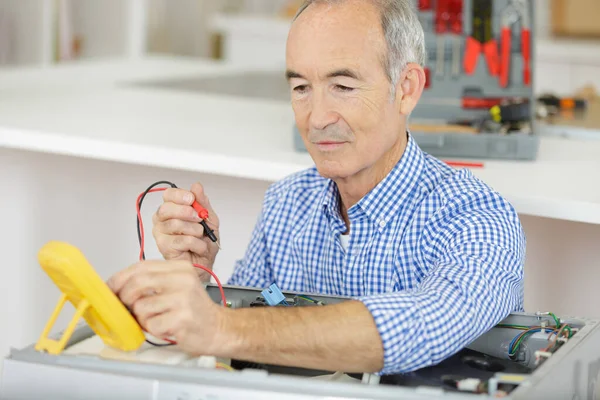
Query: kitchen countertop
[106,110]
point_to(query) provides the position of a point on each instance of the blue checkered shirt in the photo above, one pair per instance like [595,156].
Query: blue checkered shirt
[434,254]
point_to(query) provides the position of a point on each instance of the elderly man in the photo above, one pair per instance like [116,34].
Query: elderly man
[429,256]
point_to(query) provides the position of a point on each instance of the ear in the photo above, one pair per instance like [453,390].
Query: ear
[410,87]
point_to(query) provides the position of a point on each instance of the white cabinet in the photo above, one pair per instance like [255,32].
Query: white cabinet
[30,29]
[25,26]
[253,41]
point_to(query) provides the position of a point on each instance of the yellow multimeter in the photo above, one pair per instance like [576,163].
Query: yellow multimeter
[92,298]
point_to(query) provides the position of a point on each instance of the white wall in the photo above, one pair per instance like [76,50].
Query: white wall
[47,197]
[102,25]
[26,23]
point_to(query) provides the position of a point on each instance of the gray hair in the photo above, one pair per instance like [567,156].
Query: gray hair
[403,34]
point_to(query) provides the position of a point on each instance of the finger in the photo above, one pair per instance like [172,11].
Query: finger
[178,196]
[148,307]
[142,285]
[118,281]
[157,282]
[163,325]
[168,211]
[180,243]
[198,190]
[179,227]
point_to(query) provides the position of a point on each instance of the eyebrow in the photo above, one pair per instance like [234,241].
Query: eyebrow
[343,72]
[289,74]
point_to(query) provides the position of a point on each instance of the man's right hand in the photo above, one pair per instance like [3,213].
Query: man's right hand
[177,231]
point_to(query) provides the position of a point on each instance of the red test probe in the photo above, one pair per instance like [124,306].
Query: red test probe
[202,213]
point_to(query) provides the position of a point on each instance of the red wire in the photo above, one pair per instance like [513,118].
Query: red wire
[137,206]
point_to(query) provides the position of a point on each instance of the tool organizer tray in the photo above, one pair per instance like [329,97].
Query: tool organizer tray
[461,72]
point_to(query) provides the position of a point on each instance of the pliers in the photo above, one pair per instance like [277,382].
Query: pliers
[517,10]
[481,39]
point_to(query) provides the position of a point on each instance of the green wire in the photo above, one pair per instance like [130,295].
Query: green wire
[513,326]
[320,303]
[306,298]
[566,328]
[556,320]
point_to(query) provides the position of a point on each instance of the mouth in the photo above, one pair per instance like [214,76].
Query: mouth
[327,145]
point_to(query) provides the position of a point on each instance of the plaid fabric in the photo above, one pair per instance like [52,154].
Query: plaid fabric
[435,255]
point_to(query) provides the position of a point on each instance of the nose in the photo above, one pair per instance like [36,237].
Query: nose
[322,114]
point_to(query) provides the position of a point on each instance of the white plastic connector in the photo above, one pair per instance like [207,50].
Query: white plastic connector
[468,385]
[540,353]
[163,355]
[206,362]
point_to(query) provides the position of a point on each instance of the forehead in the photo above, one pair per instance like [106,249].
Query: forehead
[327,35]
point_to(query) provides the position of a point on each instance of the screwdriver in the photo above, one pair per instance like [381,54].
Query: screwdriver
[448,19]
[456,8]
[442,16]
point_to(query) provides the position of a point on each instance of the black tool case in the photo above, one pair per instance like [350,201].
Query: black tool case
[445,123]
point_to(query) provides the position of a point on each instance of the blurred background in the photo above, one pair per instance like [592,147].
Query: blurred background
[49,31]
[52,31]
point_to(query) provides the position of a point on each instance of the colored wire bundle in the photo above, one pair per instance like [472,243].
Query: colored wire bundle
[514,345]
[556,330]
[142,256]
[309,299]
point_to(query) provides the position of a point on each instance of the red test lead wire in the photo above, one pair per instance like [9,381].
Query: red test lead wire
[202,212]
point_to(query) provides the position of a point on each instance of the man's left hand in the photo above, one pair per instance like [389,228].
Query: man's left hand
[169,301]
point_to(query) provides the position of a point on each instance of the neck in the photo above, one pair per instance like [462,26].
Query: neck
[355,187]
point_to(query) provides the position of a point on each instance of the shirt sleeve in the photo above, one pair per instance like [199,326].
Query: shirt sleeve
[253,270]
[472,252]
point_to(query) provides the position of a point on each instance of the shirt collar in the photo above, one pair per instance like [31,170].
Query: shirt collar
[389,196]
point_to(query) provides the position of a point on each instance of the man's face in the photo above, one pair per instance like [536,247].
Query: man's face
[341,95]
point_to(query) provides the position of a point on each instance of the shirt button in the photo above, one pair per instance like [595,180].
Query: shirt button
[381,223]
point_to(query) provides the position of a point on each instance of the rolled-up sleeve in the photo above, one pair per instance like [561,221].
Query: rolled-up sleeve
[472,253]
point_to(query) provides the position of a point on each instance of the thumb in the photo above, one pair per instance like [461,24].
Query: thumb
[198,190]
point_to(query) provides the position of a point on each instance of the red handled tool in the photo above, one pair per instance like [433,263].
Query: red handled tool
[516,11]
[481,102]
[481,39]
[456,26]
[526,43]
[448,19]
[424,5]
[505,44]
[441,19]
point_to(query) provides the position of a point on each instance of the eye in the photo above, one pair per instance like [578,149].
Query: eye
[300,89]
[343,88]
